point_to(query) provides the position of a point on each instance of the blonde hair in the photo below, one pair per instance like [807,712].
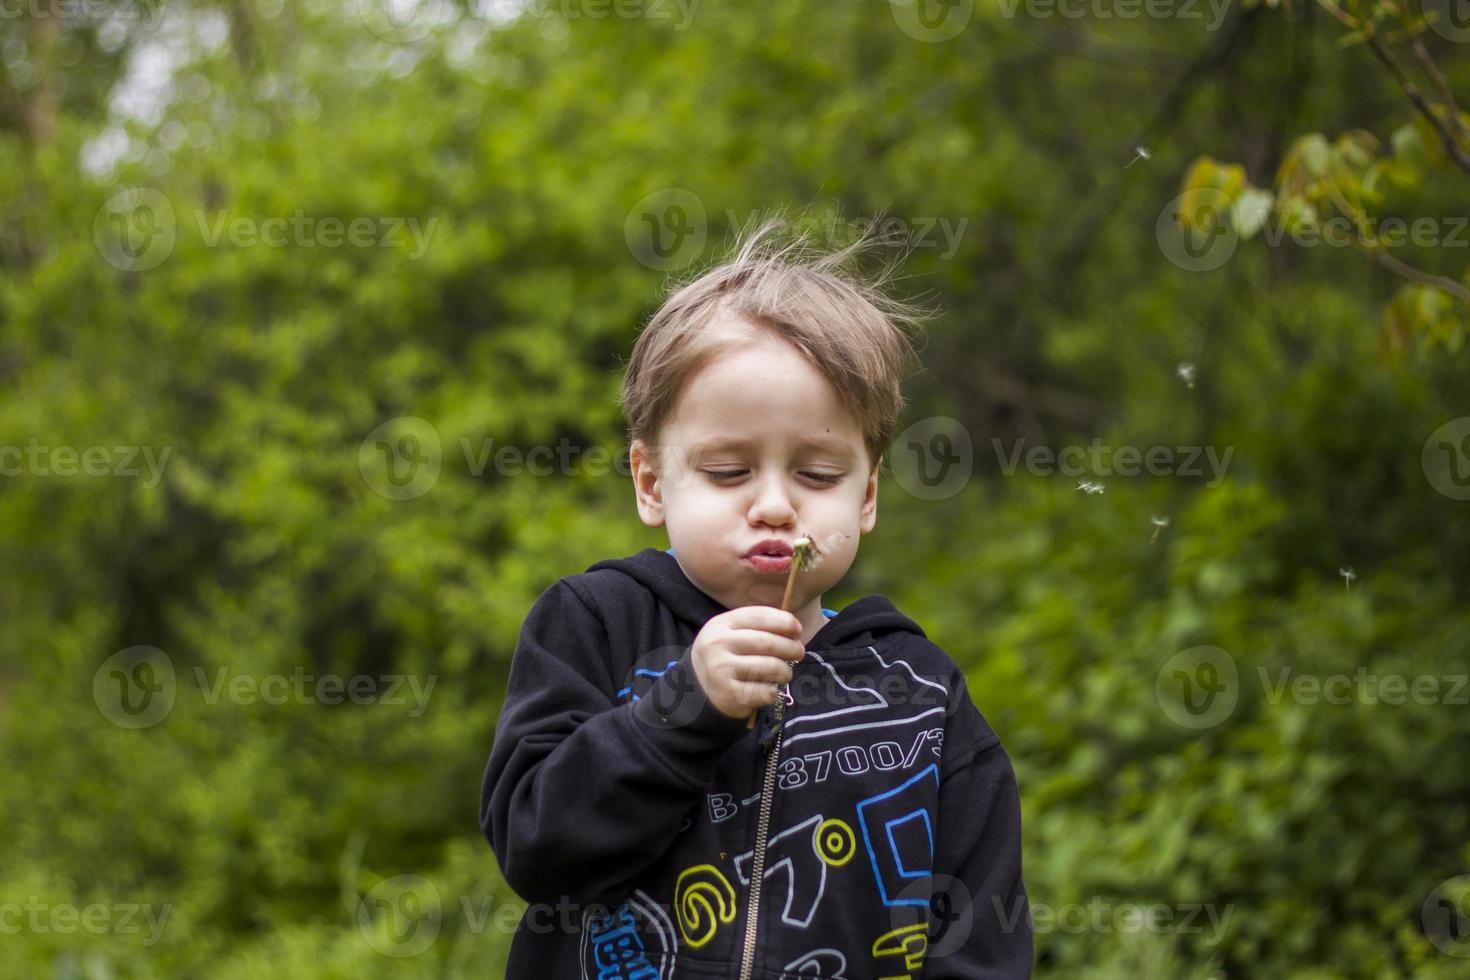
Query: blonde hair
[844,324]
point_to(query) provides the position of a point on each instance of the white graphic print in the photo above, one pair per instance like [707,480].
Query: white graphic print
[825,962]
[870,704]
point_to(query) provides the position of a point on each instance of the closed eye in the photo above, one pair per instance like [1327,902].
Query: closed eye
[721,475]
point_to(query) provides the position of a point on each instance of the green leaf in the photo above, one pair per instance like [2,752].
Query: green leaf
[1250,210]
[1316,154]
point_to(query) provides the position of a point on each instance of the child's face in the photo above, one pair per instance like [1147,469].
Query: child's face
[736,469]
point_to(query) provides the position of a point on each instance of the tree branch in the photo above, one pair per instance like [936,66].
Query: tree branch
[1401,268]
[1451,145]
[1441,85]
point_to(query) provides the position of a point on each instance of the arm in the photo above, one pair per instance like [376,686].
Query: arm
[977,862]
[581,794]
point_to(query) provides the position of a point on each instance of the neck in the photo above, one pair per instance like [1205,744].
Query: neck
[811,618]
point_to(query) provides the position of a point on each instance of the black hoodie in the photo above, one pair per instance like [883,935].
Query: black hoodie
[626,808]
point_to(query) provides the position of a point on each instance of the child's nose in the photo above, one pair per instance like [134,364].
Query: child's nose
[772,504]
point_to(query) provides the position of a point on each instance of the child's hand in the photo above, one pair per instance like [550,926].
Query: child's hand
[743,655]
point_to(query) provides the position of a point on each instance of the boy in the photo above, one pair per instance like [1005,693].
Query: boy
[640,793]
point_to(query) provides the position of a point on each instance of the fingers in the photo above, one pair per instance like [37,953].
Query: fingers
[761,670]
[762,644]
[767,618]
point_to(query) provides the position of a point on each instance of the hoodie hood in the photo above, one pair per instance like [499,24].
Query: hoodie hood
[864,621]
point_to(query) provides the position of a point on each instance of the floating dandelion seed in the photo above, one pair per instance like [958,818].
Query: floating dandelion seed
[1139,153]
[1347,577]
[1091,487]
[1185,371]
[1159,522]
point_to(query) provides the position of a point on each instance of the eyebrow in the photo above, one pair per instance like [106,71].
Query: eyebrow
[717,443]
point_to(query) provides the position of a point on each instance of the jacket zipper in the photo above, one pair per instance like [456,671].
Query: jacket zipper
[758,859]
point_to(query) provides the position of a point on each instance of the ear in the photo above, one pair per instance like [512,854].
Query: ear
[647,487]
[869,512]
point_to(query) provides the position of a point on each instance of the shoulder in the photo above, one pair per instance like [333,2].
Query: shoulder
[602,589]
[967,732]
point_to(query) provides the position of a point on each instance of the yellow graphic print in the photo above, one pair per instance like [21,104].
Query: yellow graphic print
[836,843]
[911,942]
[703,903]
